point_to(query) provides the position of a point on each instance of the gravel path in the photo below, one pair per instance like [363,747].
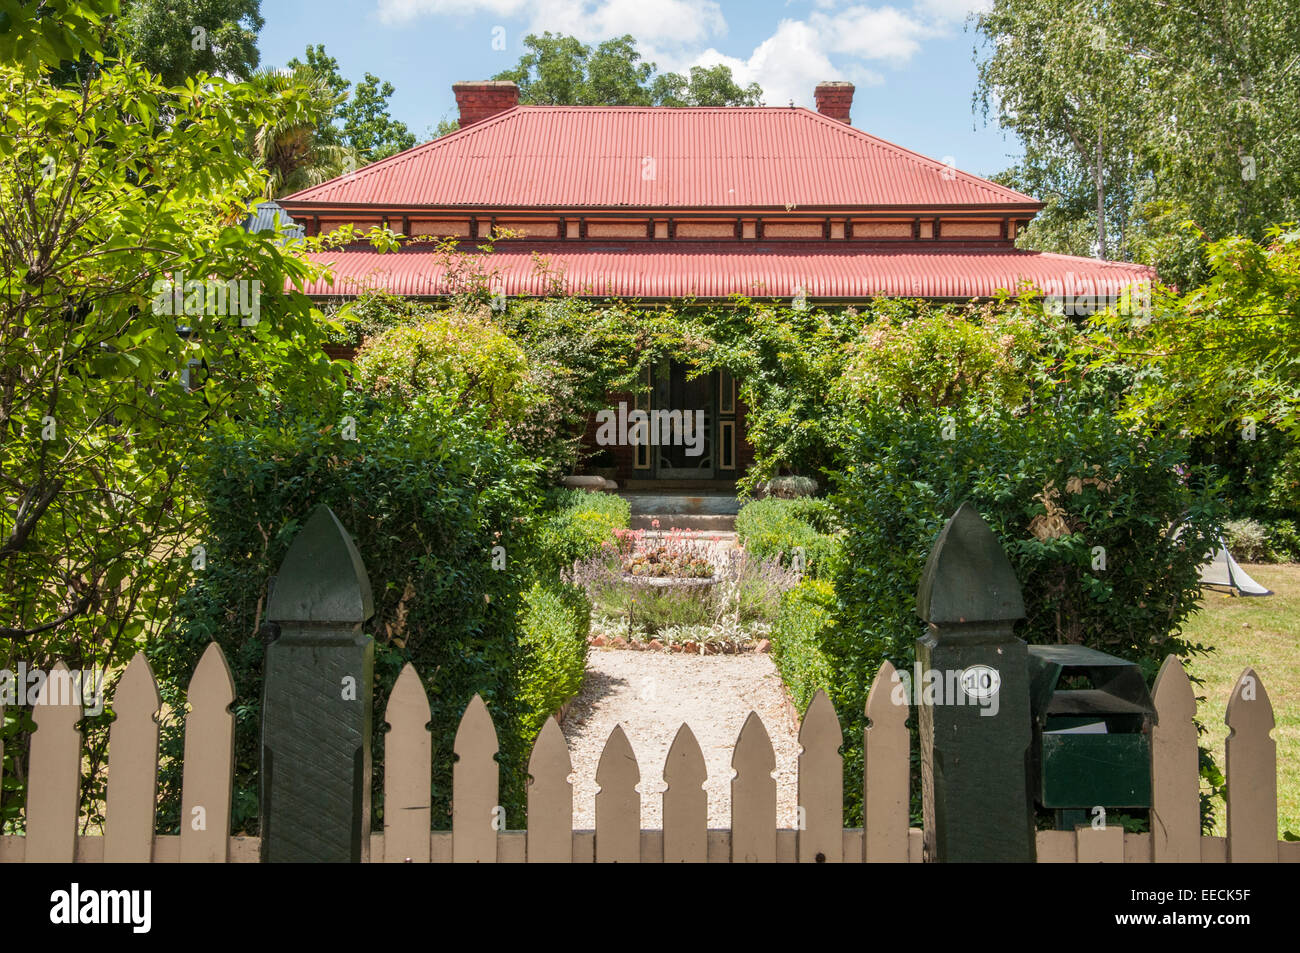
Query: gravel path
[650,694]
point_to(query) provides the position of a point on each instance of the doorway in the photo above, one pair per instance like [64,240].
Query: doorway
[690,455]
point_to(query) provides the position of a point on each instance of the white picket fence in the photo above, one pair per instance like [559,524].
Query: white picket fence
[56,761]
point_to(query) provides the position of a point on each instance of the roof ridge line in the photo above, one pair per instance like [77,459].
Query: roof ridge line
[971,177]
[420,147]
[884,150]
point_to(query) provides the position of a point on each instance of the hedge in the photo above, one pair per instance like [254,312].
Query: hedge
[555,622]
[428,491]
[578,524]
[804,624]
[1063,487]
[777,527]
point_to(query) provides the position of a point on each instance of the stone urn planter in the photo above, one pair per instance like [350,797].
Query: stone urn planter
[670,582]
[584,482]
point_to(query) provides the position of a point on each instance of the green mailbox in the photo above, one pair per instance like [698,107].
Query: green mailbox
[1091,745]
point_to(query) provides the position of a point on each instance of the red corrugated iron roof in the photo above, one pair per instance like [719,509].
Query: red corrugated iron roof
[721,269]
[575,157]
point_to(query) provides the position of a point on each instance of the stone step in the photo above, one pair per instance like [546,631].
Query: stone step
[712,504]
[703,522]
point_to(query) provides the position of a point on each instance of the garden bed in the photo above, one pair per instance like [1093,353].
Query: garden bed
[714,647]
[670,582]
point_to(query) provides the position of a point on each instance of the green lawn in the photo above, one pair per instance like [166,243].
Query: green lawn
[1264,633]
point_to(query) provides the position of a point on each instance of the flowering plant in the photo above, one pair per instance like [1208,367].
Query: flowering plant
[679,554]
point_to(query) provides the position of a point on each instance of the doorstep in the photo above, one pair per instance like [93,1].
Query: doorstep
[709,511]
[704,523]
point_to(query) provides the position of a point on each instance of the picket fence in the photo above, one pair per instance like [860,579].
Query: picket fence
[128,835]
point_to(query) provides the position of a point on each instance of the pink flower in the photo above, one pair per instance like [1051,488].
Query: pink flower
[654,524]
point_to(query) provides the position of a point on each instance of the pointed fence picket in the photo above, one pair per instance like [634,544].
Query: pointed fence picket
[550,798]
[55,764]
[408,755]
[753,795]
[618,805]
[1175,770]
[686,804]
[54,786]
[474,787]
[821,784]
[1251,770]
[209,761]
[886,769]
[133,778]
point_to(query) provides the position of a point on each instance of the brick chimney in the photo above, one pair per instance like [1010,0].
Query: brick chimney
[484,99]
[834,99]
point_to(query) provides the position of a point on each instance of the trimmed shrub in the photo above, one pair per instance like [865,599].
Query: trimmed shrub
[1063,488]
[427,490]
[579,524]
[804,623]
[555,621]
[776,528]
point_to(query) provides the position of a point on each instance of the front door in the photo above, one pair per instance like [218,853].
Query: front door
[685,438]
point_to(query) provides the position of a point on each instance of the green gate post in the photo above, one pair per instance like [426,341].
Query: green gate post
[316,707]
[974,745]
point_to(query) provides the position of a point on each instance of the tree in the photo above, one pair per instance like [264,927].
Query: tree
[135,313]
[560,70]
[181,38]
[1223,125]
[326,68]
[358,121]
[53,31]
[707,86]
[445,127]
[1172,112]
[302,147]
[1224,356]
[1064,85]
[554,71]
[367,126]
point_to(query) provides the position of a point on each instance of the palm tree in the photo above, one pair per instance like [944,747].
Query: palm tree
[294,152]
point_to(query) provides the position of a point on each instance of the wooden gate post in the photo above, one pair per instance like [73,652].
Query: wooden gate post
[973,688]
[317,698]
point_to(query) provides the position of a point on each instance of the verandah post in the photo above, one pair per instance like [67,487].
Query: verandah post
[317,700]
[974,716]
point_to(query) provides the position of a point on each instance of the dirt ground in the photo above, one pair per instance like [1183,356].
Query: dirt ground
[651,694]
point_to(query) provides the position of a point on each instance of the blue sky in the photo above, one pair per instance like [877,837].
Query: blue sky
[911,61]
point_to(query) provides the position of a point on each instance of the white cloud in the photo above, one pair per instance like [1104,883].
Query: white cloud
[650,21]
[875,33]
[403,11]
[788,65]
[658,21]
[674,33]
[798,55]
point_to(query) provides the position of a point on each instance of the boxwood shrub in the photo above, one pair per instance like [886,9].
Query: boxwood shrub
[427,490]
[778,527]
[555,621]
[576,525]
[804,625]
[1061,487]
